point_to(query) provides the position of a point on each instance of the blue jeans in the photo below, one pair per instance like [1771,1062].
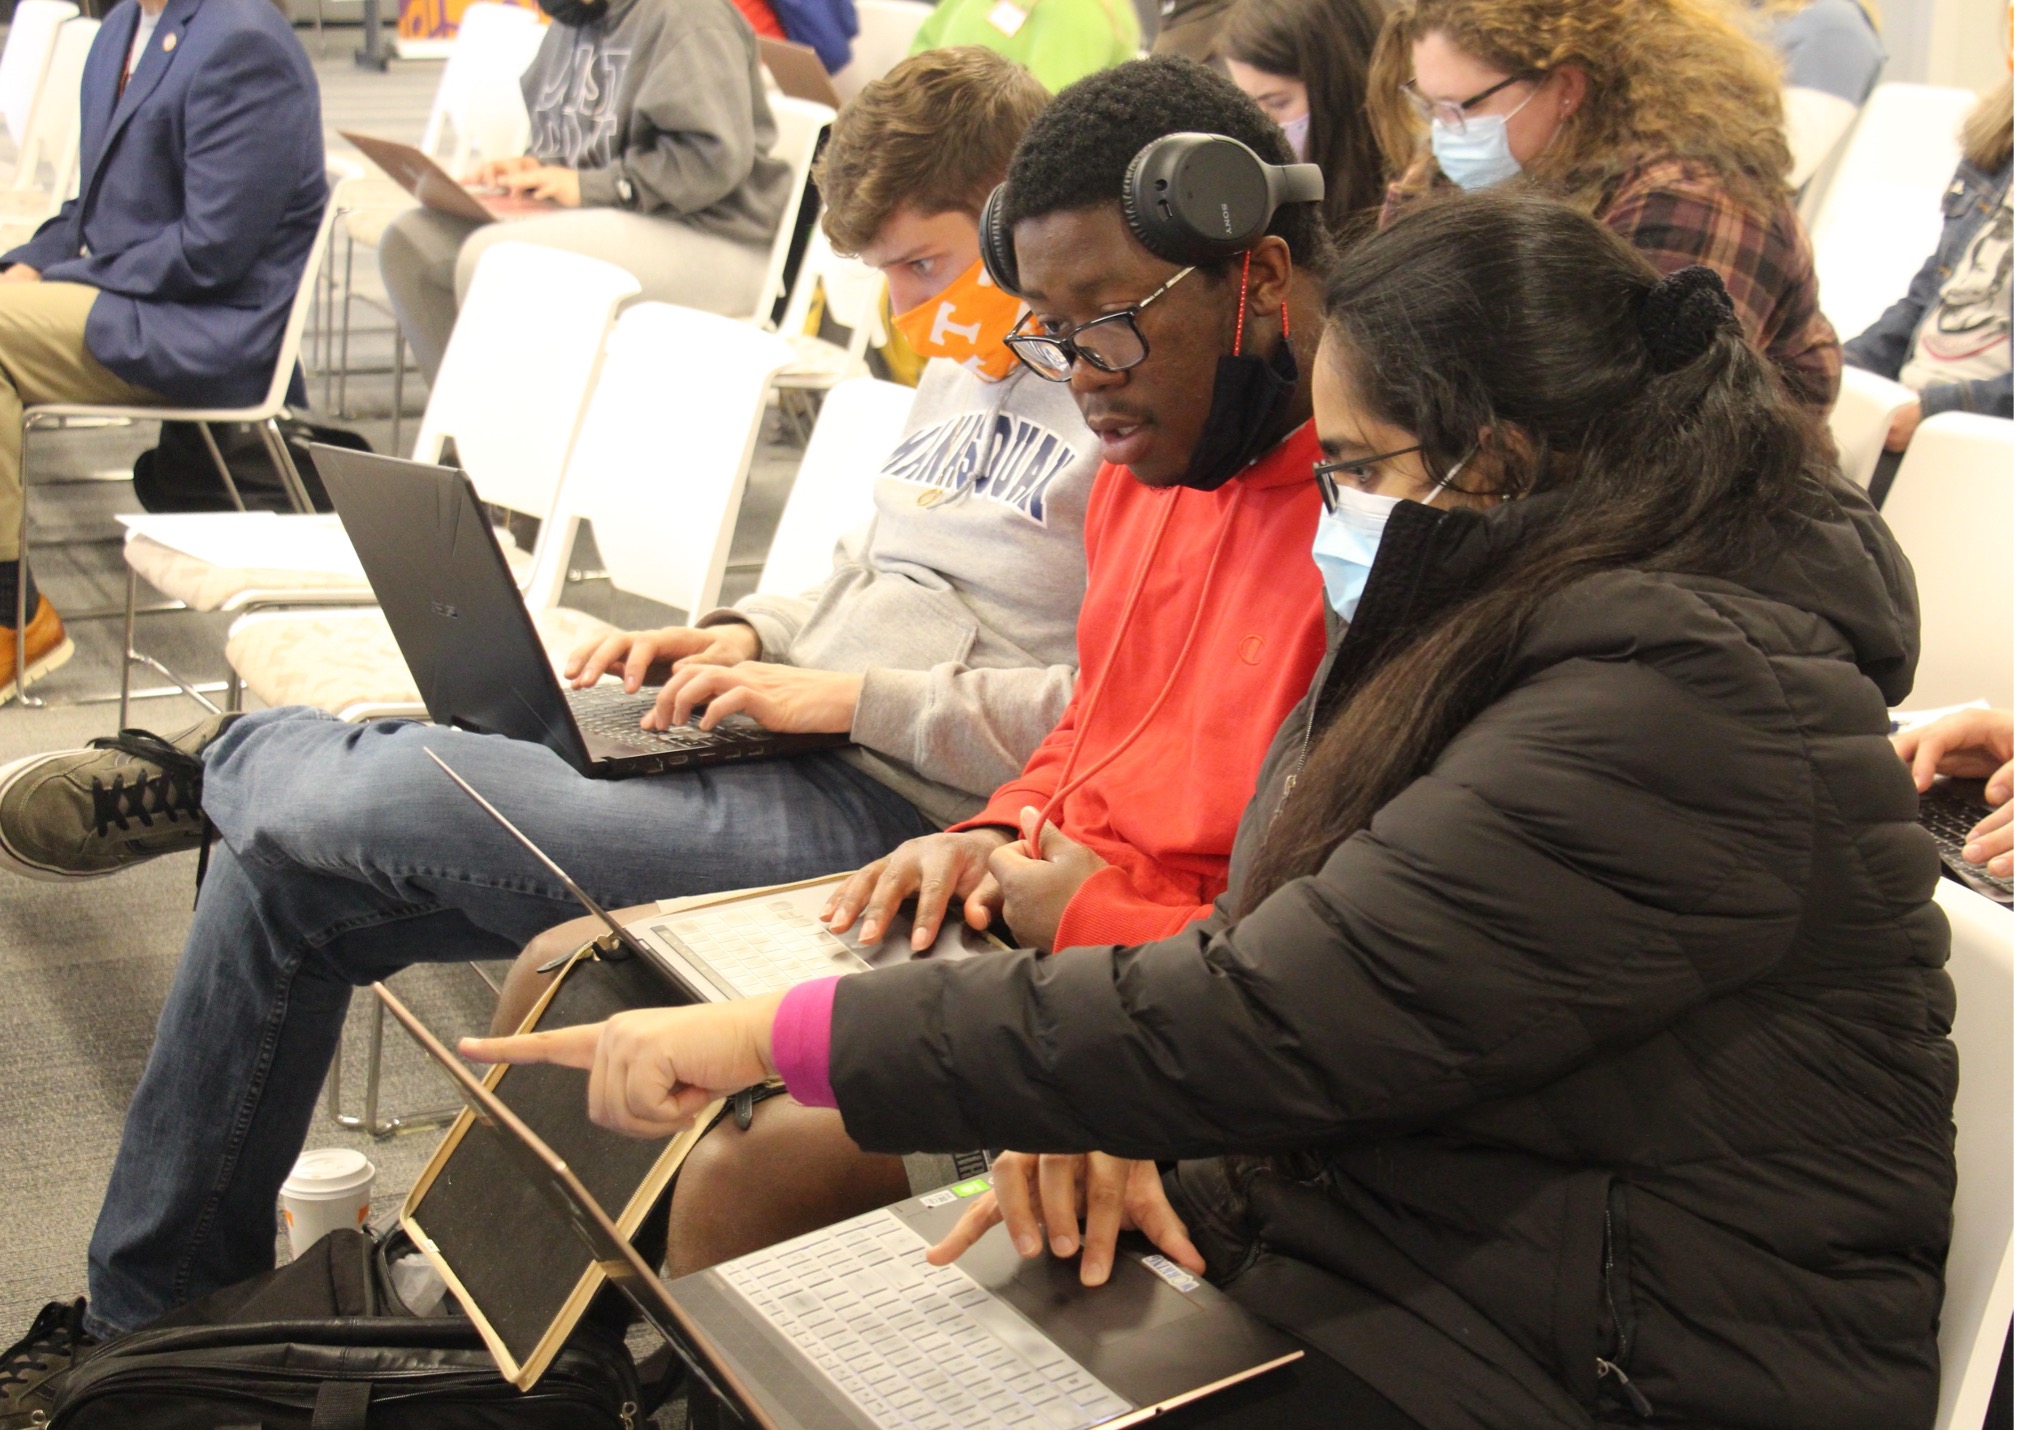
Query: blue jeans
[345,855]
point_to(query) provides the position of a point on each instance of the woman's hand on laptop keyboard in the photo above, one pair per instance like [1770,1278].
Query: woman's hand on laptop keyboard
[653,1069]
[779,697]
[1971,744]
[641,656]
[1075,1204]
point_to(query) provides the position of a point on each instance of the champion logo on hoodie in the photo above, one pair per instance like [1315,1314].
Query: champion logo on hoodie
[999,456]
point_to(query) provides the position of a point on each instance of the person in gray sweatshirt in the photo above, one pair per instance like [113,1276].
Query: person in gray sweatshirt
[943,643]
[651,133]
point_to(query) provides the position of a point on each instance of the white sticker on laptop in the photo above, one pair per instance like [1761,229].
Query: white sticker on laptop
[938,1199]
[1176,1276]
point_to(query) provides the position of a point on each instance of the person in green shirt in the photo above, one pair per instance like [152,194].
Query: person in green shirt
[1059,41]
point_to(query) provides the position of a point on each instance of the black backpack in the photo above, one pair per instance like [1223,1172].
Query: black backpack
[177,473]
[324,1344]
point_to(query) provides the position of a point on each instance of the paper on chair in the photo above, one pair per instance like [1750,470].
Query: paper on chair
[255,541]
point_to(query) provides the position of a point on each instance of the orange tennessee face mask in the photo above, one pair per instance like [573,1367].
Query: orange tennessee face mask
[965,322]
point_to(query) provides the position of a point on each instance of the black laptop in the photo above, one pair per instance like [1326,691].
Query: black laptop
[1950,809]
[454,608]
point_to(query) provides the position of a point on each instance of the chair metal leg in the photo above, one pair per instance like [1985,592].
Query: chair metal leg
[126,653]
[218,458]
[21,694]
[399,382]
[369,1121]
[344,337]
[284,463]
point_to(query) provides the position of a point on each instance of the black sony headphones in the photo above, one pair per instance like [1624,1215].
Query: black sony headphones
[1189,198]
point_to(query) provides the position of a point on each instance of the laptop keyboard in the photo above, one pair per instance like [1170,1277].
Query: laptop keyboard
[916,1347]
[762,948]
[608,711]
[1950,813]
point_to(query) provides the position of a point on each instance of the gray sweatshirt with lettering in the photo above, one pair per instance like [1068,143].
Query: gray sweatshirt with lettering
[665,95]
[958,601]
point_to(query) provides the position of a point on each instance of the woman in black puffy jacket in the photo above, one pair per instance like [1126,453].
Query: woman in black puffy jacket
[1571,1048]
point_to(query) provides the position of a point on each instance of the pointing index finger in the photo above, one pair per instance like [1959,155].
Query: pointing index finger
[564,1047]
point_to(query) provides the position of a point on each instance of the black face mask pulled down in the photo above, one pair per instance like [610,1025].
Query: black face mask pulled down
[575,13]
[1242,417]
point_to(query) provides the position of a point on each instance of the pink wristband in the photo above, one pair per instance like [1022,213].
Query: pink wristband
[801,1032]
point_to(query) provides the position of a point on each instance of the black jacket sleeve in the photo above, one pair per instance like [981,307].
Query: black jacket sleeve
[1620,838]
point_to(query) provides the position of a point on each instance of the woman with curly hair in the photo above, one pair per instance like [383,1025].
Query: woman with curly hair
[1661,118]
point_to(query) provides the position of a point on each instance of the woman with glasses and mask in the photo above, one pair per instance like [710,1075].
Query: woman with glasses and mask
[1661,118]
[1306,63]
[1571,1046]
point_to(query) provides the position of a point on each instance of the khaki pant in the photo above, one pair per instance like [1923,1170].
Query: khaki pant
[42,359]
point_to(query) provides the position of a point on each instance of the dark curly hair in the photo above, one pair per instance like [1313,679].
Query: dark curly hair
[1076,152]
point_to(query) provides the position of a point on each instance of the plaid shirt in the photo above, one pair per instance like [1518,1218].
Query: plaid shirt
[1678,212]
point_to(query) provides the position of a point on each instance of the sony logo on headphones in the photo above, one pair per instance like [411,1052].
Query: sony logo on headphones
[1227,223]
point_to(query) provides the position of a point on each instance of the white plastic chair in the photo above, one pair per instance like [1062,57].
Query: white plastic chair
[884,31]
[478,105]
[261,414]
[478,113]
[52,138]
[516,375]
[1859,421]
[1814,122]
[1979,1273]
[1881,215]
[833,491]
[801,125]
[663,510]
[1952,510]
[31,36]
[850,293]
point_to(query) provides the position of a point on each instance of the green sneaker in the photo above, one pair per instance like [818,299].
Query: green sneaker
[32,1368]
[122,800]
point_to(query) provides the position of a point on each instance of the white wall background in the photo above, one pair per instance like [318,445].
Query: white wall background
[1953,42]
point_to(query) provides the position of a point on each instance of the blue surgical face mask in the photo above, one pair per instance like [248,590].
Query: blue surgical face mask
[1344,546]
[1477,154]
[1297,133]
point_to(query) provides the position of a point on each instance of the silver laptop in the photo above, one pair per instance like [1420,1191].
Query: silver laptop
[848,1326]
[749,943]
[437,189]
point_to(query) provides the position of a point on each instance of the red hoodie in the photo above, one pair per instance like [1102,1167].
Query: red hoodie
[1161,804]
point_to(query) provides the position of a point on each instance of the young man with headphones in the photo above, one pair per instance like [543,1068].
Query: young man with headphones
[1169,252]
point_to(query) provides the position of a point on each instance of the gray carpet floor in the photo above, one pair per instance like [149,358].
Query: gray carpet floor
[86,965]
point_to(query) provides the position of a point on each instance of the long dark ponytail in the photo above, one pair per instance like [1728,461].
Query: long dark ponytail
[1515,327]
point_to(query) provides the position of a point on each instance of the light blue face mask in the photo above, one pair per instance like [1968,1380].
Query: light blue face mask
[1344,546]
[1350,532]
[1298,133]
[1476,155]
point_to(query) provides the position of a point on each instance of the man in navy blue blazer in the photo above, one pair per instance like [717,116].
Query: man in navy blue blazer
[169,278]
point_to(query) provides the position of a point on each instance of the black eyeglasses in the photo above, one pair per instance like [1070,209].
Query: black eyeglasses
[1111,343]
[1329,489]
[1451,114]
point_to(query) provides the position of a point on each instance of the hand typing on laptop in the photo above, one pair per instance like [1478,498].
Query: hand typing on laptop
[716,667]
[1045,1200]
[1971,744]
[654,655]
[526,176]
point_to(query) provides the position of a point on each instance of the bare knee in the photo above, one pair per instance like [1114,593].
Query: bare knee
[793,1171]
